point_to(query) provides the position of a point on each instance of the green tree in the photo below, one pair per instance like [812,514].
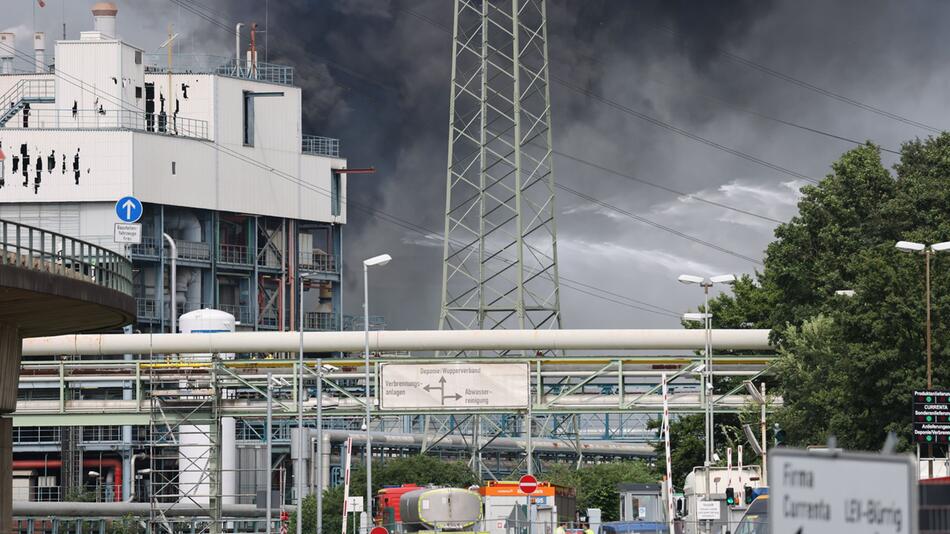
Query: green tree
[849,365]
[596,485]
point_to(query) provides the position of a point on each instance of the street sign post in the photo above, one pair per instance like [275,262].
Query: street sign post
[708,510]
[128,209]
[932,417]
[528,484]
[354,504]
[128,233]
[844,493]
[454,386]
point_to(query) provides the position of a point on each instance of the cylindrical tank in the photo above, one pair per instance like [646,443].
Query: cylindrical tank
[207,321]
[439,509]
[7,46]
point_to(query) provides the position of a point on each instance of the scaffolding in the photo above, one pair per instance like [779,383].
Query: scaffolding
[184,450]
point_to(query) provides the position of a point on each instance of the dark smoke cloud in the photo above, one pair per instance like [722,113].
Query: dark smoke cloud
[377,77]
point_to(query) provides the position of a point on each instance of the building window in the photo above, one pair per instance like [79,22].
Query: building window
[174,168]
[138,57]
[248,118]
[335,194]
[138,91]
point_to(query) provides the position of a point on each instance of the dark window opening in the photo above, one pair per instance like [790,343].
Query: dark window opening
[138,57]
[335,194]
[248,118]
[138,91]
[174,168]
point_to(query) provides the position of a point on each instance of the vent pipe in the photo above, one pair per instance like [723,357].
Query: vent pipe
[237,48]
[103,14]
[7,46]
[39,51]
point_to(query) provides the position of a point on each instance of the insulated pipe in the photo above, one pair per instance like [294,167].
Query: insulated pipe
[119,509]
[385,341]
[173,284]
[115,464]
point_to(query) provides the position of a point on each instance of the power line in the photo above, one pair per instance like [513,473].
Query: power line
[802,83]
[665,188]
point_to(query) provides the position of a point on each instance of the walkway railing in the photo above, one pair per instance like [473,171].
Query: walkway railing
[320,146]
[106,119]
[41,250]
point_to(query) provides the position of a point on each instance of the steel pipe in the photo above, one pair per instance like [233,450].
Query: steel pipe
[119,509]
[389,341]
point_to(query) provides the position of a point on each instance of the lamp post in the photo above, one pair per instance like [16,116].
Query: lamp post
[380,260]
[300,432]
[927,251]
[706,317]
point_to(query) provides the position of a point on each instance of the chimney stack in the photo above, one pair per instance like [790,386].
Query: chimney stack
[39,51]
[104,15]
[7,46]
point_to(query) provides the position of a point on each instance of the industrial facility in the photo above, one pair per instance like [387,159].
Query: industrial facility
[187,186]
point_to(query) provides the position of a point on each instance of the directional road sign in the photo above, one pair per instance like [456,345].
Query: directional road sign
[527,484]
[844,493]
[932,416]
[128,209]
[453,386]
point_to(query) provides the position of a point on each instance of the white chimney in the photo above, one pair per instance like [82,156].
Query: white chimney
[104,15]
[7,47]
[39,51]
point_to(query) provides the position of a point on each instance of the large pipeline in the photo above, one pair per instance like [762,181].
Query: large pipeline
[391,341]
[57,463]
[119,509]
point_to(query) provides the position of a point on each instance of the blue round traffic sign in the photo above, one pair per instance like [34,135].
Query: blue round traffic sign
[128,209]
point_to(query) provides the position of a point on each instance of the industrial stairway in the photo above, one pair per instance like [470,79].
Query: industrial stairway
[23,93]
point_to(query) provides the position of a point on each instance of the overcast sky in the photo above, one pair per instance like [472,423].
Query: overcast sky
[375,74]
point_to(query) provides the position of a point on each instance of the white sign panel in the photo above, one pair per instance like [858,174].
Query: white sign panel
[846,493]
[128,233]
[454,386]
[708,510]
[354,504]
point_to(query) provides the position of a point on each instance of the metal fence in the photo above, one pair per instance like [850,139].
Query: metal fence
[320,146]
[109,119]
[41,250]
[320,321]
[220,65]
[318,262]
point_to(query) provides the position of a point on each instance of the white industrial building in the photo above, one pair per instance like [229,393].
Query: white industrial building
[214,148]
[214,151]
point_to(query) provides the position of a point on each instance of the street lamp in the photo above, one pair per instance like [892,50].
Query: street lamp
[300,433]
[380,260]
[910,246]
[707,323]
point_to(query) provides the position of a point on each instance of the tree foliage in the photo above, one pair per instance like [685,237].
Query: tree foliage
[596,484]
[848,365]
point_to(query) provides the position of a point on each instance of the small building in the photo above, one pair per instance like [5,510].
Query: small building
[506,508]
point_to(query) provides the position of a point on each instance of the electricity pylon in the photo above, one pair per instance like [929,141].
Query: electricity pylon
[500,253]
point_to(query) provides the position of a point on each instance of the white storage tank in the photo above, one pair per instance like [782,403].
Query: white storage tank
[195,446]
[439,509]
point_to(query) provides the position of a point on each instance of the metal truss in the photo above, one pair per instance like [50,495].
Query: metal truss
[589,386]
[500,251]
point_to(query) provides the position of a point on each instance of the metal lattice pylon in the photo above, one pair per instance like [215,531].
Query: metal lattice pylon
[500,253]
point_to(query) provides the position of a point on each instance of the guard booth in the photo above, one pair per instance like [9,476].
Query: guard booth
[641,502]
[506,508]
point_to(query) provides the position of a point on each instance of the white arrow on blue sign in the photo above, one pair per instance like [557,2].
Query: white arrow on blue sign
[128,209]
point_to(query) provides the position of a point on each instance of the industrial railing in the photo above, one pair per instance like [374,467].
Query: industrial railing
[236,254]
[41,250]
[355,322]
[187,250]
[108,119]
[318,261]
[241,313]
[153,309]
[320,146]
[320,321]
[23,93]
[220,65]
[35,435]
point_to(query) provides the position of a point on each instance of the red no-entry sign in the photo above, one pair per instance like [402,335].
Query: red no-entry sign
[527,484]
[378,530]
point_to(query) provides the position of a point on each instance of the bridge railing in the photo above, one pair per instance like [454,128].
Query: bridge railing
[37,249]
